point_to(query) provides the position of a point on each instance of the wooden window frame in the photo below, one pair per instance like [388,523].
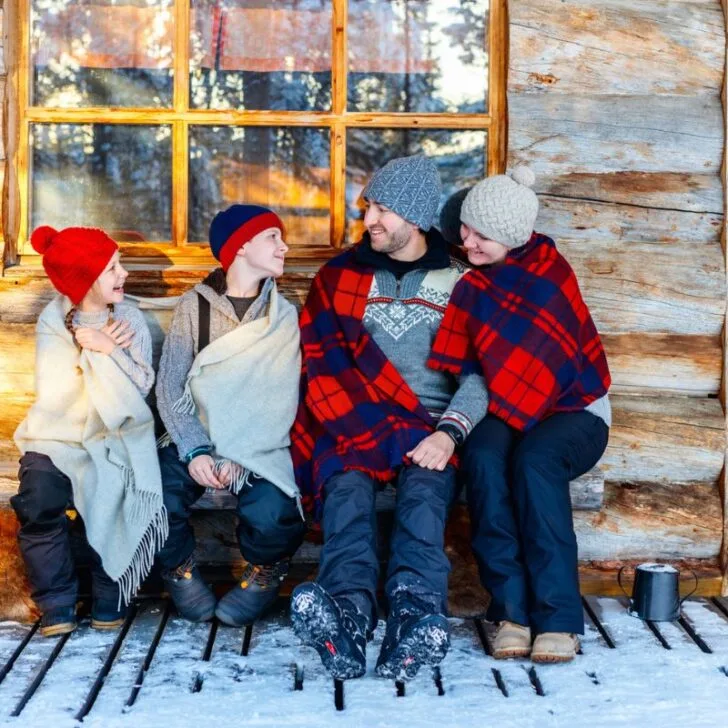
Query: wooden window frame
[16,190]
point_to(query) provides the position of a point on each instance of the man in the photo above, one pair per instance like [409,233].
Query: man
[373,413]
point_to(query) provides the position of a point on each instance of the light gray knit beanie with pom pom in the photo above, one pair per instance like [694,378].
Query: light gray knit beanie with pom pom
[503,208]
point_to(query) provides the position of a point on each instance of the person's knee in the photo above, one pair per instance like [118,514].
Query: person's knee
[349,499]
[42,499]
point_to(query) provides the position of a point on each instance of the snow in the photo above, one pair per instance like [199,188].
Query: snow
[637,682]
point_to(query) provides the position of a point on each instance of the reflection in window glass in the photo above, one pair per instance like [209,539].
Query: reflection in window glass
[284,168]
[459,155]
[264,55]
[101,53]
[112,176]
[418,56]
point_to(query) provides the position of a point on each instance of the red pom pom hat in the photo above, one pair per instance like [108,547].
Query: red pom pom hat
[73,258]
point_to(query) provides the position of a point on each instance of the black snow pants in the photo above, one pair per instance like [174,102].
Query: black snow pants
[522,527]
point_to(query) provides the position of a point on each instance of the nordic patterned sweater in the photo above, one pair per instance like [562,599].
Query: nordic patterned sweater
[405,306]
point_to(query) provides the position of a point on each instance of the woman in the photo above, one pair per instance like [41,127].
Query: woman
[520,318]
[227,393]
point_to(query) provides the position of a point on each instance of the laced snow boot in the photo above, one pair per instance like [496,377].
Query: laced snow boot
[416,635]
[257,591]
[555,647]
[57,621]
[511,640]
[192,597]
[106,615]
[336,628]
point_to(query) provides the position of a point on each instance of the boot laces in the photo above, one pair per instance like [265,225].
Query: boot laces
[264,575]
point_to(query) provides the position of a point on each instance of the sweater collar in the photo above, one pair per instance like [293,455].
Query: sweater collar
[222,304]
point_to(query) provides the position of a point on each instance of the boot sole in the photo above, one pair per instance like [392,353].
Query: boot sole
[316,622]
[551,659]
[57,629]
[426,643]
[515,652]
[104,625]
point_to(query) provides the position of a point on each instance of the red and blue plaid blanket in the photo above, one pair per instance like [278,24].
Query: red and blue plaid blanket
[356,410]
[524,324]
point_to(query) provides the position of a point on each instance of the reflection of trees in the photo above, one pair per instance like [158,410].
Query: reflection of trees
[73,66]
[113,176]
[288,171]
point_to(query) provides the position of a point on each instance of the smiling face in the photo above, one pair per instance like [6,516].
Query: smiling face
[108,287]
[264,254]
[481,250]
[388,231]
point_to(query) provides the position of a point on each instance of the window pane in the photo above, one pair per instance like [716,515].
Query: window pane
[101,53]
[459,155]
[284,168]
[116,177]
[418,56]
[261,54]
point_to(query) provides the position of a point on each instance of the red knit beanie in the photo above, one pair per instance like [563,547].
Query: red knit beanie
[73,258]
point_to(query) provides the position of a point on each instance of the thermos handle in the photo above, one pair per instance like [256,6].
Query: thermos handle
[695,588]
[619,581]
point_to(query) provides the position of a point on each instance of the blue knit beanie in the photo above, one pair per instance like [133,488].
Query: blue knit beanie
[410,187]
[232,228]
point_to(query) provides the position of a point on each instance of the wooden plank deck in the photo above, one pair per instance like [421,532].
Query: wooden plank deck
[159,668]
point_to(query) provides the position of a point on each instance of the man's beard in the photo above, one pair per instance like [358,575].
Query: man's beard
[396,240]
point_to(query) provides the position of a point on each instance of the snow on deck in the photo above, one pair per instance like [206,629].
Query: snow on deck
[160,671]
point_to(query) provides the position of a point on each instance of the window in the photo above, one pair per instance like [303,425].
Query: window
[145,117]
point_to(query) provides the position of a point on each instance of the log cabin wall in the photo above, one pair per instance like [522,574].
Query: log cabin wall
[616,106]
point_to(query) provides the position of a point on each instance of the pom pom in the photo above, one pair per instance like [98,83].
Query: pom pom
[523,175]
[42,237]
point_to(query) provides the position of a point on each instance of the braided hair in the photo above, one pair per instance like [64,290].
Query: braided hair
[68,321]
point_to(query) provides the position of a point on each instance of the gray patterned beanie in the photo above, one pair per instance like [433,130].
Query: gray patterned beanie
[503,208]
[410,187]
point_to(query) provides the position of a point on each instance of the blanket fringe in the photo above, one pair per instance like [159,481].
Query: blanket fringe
[185,405]
[164,440]
[143,559]
[241,476]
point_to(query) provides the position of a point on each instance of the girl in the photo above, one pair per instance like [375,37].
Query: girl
[88,440]
[520,318]
[227,393]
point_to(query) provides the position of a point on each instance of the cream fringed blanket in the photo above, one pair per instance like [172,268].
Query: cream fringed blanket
[244,388]
[93,423]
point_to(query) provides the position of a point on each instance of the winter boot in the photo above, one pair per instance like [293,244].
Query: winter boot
[336,629]
[554,647]
[59,620]
[258,590]
[416,635]
[192,597]
[511,640]
[106,615]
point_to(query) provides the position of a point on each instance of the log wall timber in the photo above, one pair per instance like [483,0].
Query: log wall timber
[3,82]
[616,106]
[724,382]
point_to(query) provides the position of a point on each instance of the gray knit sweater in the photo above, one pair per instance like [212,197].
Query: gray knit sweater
[179,351]
[136,360]
[403,317]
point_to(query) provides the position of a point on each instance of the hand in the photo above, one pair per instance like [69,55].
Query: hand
[105,340]
[228,472]
[202,471]
[434,452]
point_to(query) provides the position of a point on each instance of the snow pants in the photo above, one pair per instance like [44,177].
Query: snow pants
[417,562]
[269,528]
[49,551]
[520,510]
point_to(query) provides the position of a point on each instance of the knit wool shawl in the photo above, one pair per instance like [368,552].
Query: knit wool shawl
[525,325]
[93,423]
[244,388]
